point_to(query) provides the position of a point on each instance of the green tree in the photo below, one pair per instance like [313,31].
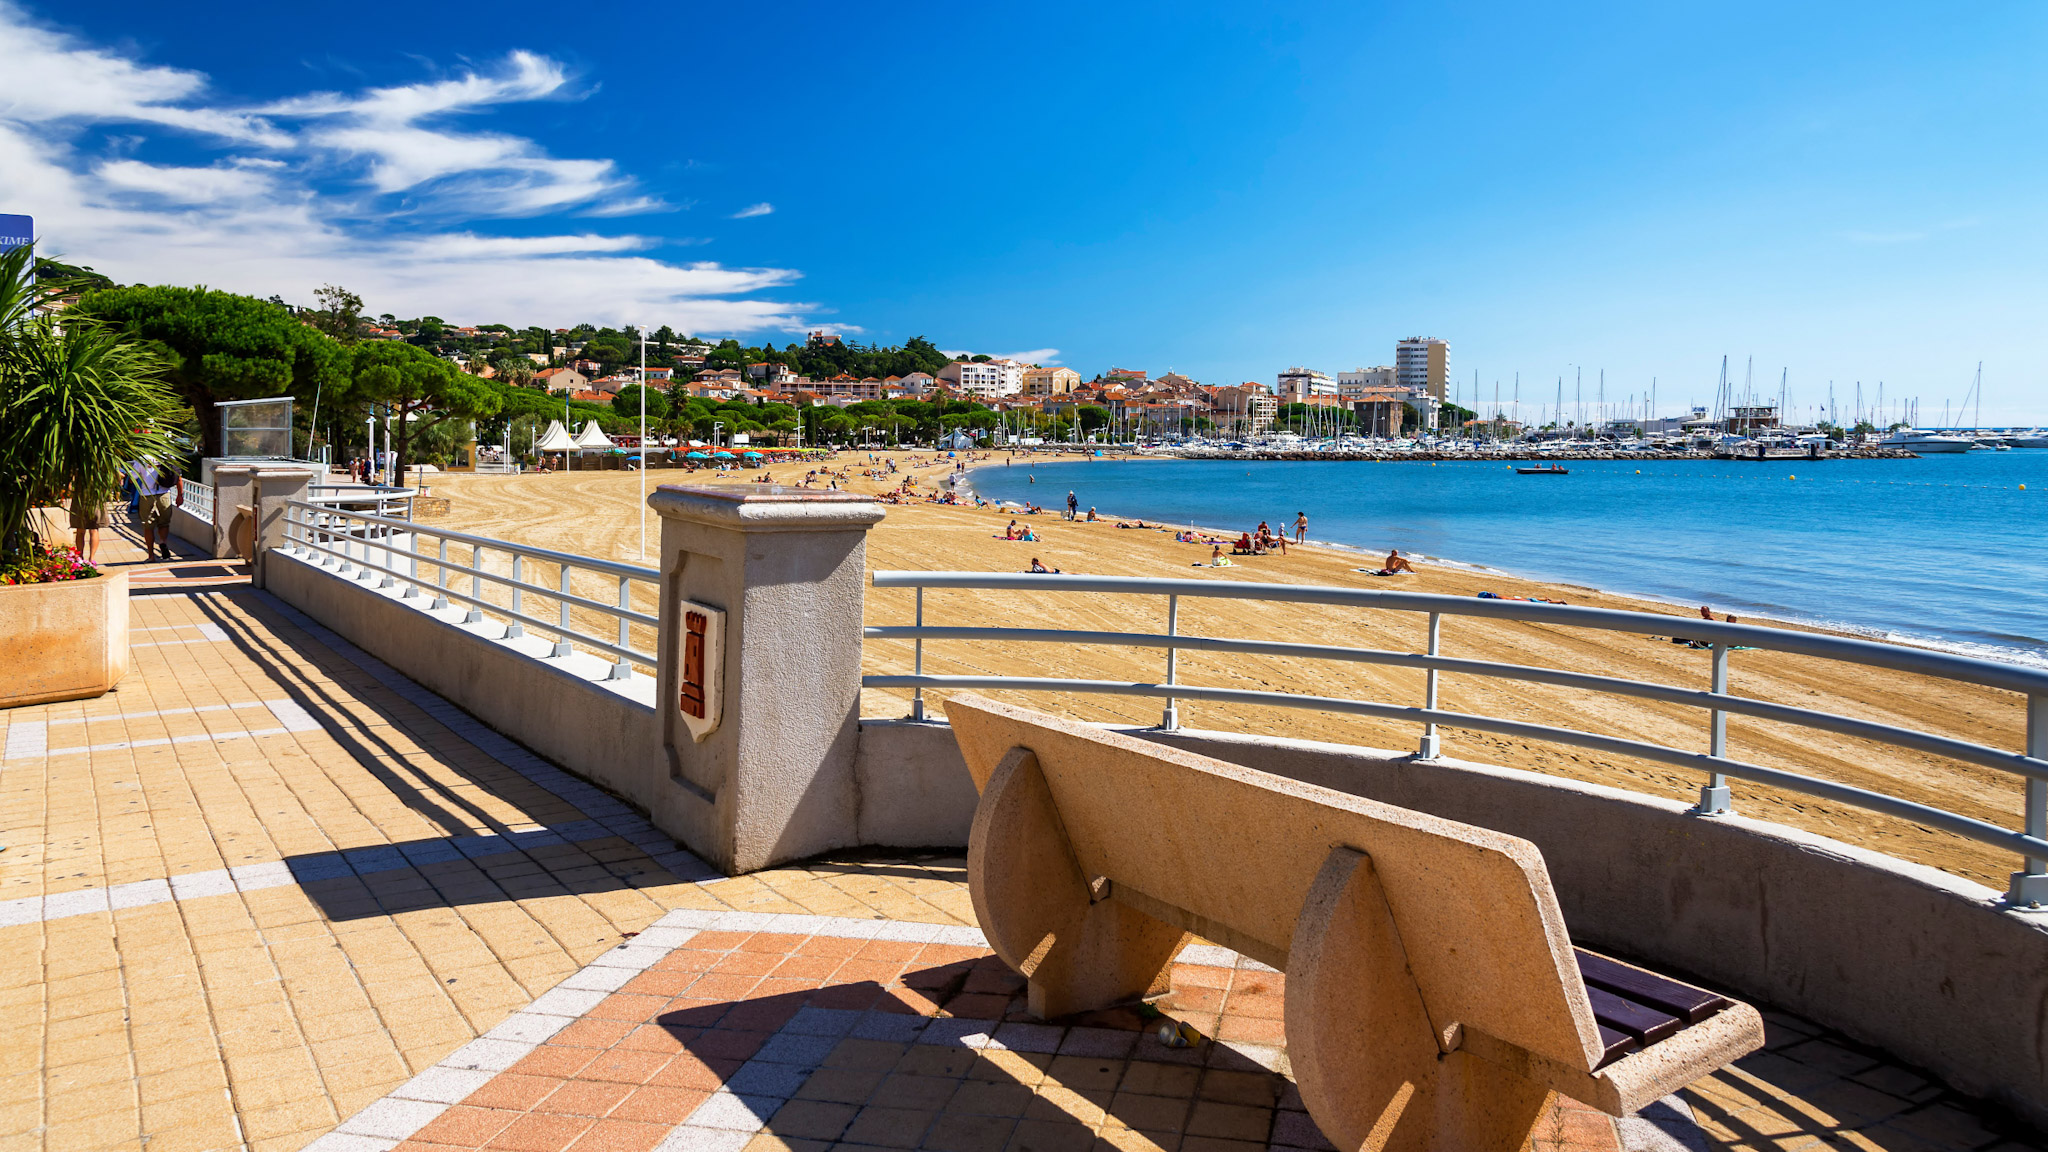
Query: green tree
[627,402]
[340,314]
[221,346]
[418,391]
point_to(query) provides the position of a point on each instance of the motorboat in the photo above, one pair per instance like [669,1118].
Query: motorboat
[1544,470]
[1916,440]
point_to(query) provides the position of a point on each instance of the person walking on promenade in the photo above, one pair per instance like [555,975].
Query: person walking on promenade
[155,483]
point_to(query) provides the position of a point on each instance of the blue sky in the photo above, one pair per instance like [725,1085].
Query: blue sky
[1843,192]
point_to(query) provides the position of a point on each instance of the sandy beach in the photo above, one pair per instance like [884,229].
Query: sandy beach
[597,514]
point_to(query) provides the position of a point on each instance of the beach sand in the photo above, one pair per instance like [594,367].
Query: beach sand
[596,514]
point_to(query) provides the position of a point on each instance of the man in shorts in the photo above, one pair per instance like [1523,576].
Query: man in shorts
[158,486]
[86,521]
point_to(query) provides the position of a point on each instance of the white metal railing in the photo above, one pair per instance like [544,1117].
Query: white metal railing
[388,550]
[196,498]
[2029,884]
[376,499]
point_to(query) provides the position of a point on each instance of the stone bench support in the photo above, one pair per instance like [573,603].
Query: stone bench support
[1433,998]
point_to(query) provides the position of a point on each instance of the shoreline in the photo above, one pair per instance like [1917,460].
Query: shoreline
[1982,651]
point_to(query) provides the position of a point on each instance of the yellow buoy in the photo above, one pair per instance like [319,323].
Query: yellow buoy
[1791,477]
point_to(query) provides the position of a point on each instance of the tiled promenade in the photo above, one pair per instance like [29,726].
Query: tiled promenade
[270,892]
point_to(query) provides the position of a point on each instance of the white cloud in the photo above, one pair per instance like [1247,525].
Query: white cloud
[1046,356]
[341,188]
[751,210]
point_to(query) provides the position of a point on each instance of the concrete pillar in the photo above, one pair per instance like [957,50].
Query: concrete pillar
[760,736]
[273,487]
[233,487]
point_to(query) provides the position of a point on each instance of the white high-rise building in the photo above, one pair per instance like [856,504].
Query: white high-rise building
[1297,385]
[985,377]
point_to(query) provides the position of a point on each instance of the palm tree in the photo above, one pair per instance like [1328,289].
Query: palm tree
[77,403]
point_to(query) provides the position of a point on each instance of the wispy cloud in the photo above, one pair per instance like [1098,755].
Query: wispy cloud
[379,189]
[1033,356]
[761,209]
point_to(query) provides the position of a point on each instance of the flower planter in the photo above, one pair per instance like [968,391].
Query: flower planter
[65,640]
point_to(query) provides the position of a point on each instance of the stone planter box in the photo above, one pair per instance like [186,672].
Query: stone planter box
[62,641]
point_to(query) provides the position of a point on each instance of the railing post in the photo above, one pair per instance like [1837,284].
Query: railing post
[273,490]
[384,552]
[515,629]
[412,586]
[441,578]
[1714,797]
[476,584]
[772,777]
[562,647]
[1431,747]
[917,663]
[2030,884]
[1170,722]
[623,669]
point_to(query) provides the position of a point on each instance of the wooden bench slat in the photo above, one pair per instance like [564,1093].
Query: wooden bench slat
[1618,1044]
[1644,1023]
[1661,993]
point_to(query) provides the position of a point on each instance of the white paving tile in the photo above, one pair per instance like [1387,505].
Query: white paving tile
[529,1027]
[216,882]
[568,1001]
[734,1113]
[27,738]
[21,910]
[77,903]
[393,1119]
[350,1142]
[691,1138]
[444,1085]
[599,979]
[138,894]
[489,1055]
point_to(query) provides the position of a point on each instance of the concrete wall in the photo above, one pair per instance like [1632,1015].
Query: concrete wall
[191,529]
[602,730]
[913,787]
[1909,959]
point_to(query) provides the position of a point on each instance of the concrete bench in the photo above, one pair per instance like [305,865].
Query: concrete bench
[1434,999]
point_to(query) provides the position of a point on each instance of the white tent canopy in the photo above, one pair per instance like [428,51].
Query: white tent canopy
[557,439]
[592,437]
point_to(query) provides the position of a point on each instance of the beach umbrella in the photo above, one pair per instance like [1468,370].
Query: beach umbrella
[695,456]
[722,454]
[756,455]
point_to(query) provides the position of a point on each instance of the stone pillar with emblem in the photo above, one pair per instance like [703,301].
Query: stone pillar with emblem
[758,684]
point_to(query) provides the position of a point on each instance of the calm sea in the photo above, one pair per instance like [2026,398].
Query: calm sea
[1947,549]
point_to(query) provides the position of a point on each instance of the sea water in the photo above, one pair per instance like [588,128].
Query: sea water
[1942,549]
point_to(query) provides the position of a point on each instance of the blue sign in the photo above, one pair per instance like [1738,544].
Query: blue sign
[16,231]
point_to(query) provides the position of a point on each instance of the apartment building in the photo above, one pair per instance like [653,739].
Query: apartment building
[1353,385]
[1053,381]
[984,378]
[1303,385]
[1245,409]
[1423,362]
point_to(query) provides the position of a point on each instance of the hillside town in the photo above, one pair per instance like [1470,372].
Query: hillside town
[584,367]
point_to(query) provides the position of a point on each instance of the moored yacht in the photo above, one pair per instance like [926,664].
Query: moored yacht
[1915,440]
